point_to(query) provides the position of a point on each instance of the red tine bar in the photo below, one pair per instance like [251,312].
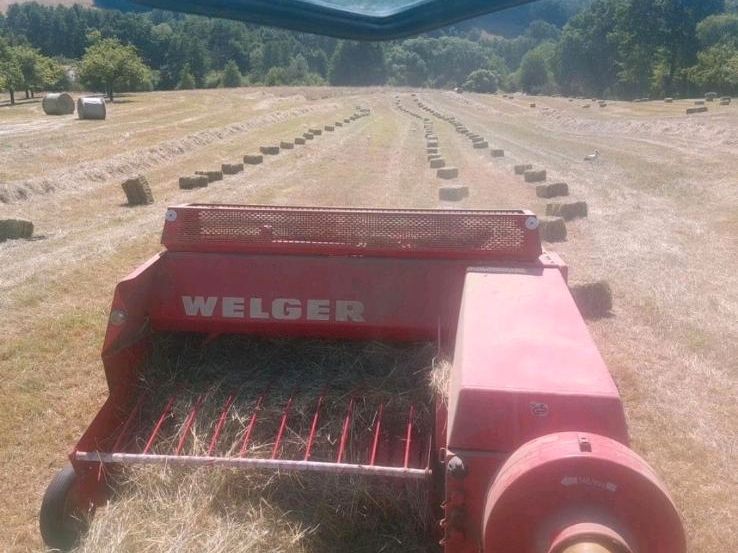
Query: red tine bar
[189,421]
[159,424]
[408,437]
[345,431]
[313,428]
[220,424]
[282,426]
[377,433]
[250,427]
[120,440]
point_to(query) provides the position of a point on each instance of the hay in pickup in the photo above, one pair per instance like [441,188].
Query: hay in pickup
[174,509]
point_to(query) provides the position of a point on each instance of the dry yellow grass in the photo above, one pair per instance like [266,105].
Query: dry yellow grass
[662,230]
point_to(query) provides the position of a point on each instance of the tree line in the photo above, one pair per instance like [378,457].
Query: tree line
[607,48]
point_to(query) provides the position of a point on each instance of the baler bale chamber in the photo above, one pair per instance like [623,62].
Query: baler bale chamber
[426,350]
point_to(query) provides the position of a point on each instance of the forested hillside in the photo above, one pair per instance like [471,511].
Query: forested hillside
[607,48]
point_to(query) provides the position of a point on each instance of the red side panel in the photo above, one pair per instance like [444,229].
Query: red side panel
[525,364]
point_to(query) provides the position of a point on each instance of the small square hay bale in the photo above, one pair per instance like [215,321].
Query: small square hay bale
[552,190]
[253,159]
[138,191]
[594,299]
[700,109]
[533,105]
[537,175]
[437,163]
[567,210]
[299,141]
[269,150]
[338,124]
[330,128]
[316,132]
[447,173]
[726,99]
[552,229]
[232,168]
[286,144]
[586,106]
[432,144]
[211,175]
[480,145]
[193,181]
[308,136]
[603,104]
[434,156]
[699,102]
[347,120]
[522,168]
[496,152]
[669,100]
[431,151]
[453,192]
[15,229]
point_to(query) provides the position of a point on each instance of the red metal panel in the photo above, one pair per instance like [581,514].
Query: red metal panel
[449,234]
[525,364]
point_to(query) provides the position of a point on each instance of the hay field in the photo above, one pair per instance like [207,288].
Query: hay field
[662,228]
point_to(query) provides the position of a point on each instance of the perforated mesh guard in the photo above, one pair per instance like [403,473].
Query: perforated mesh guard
[346,231]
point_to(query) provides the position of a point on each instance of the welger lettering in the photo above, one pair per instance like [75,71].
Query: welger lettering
[281,309]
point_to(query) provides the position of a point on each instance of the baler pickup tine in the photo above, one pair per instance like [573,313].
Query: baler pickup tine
[282,427]
[120,440]
[377,433]
[313,428]
[250,427]
[187,426]
[408,436]
[220,424]
[159,423]
[345,431]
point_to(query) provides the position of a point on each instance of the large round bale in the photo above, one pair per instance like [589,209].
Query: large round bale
[453,192]
[58,104]
[522,168]
[567,210]
[447,173]
[91,108]
[552,190]
[286,145]
[711,96]
[594,299]
[552,229]
[496,152]
[537,175]
[193,181]
[299,141]
[232,168]
[437,163]
[138,191]
[269,150]
[211,175]
[15,229]
[253,159]
[480,145]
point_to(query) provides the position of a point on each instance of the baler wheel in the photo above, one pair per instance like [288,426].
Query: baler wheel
[59,518]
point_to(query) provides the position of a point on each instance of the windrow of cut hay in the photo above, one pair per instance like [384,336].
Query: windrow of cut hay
[162,509]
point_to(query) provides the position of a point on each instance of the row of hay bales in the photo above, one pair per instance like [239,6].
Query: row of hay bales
[138,189]
[88,107]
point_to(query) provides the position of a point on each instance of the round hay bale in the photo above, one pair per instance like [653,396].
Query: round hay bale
[253,159]
[710,96]
[299,141]
[138,191]
[453,192]
[552,229]
[316,132]
[58,104]
[269,150]
[447,173]
[15,229]
[211,175]
[480,145]
[193,181]
[700,109]
[286,145]
[594,299]
[552,190]
[91,108]
[567,210]
[522,168]
[496,152]
[538,175]
[329,128]
[232,168]
[437,163]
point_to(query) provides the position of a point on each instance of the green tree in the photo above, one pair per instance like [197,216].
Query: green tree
[718,29]
[357,64]
[534,74]
[186,78]
[11,75]
[109,65]
[232,77]
[482,80]
[716,70]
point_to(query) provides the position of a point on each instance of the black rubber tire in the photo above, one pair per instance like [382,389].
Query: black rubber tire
[60,523]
